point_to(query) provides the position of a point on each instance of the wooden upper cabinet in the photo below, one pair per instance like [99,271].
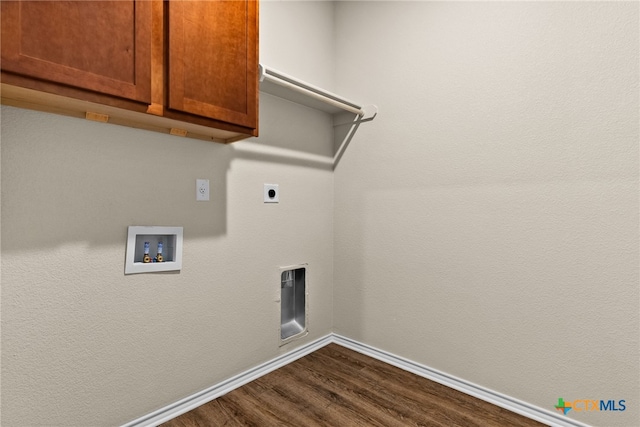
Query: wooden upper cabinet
[184,67]
[213,59]
[100,46]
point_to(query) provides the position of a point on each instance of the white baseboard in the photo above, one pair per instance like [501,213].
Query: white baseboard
[180,407]
[191,402]
[514,405]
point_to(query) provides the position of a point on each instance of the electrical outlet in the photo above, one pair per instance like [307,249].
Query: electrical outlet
[202,190]
[271,193]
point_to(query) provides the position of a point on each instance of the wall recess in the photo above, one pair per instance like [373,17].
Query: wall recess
[153,249]
[293,303]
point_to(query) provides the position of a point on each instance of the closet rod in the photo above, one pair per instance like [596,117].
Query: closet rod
[289,82]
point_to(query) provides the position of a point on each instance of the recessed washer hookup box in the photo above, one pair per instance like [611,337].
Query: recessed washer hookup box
[153,249]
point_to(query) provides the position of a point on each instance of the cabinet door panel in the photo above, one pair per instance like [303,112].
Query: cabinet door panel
[213,59]
[102,46]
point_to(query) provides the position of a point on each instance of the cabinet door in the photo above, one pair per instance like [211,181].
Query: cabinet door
[101,46]
[213,60]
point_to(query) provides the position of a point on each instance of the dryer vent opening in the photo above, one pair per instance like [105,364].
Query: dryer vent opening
[293,321]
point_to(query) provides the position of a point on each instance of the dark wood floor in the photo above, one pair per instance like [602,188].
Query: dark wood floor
[335,386]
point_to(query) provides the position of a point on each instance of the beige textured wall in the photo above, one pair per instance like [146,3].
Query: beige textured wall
[486,222]
[82,344]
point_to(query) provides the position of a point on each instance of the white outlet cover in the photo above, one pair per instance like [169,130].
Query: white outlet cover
[271,193]
[202,190]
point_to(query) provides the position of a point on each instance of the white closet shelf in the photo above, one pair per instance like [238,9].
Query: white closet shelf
[284,86]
